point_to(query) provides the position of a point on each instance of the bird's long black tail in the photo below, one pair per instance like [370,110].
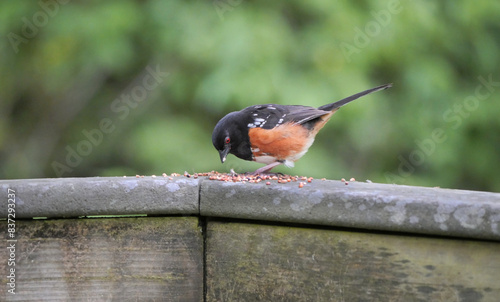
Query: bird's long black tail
[342,102]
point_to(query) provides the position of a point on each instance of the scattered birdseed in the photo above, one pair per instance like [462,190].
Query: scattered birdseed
[342,180]
[352,179]
[246,177]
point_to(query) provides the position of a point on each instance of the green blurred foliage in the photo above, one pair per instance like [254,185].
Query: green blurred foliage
[64,65]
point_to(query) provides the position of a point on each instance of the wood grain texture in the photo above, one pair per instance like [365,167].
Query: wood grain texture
[251,262]
[124,259]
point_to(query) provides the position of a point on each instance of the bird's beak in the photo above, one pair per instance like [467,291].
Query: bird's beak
[223,153]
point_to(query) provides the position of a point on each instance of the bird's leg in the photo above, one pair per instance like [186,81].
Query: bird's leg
[233,173]
[266,169]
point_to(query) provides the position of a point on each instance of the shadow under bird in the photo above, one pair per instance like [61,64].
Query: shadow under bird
[274,134]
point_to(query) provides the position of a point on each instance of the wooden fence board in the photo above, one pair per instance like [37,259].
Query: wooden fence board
[119,259]
[251,262]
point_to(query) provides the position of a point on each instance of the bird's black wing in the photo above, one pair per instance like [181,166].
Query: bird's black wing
[271,115]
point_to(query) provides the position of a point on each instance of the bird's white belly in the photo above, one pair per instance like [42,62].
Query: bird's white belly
[266,159]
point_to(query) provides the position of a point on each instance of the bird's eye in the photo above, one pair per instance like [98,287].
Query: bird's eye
[228,140]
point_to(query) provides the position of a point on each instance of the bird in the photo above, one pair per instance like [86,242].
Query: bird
[275,134]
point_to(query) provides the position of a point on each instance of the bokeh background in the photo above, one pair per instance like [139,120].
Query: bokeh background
[113,88]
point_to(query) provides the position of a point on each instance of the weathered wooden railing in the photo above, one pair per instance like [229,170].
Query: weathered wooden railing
[189,239]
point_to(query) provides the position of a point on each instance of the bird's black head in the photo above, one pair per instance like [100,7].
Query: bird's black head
[231,136]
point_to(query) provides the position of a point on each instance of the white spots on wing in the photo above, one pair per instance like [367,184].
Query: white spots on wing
[265,121]
[280,121]
[301,121]
[259,122]
[254,150]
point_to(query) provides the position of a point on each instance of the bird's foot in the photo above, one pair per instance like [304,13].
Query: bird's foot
[266,169]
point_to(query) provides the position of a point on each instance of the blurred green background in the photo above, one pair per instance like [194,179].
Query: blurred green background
[113,88]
